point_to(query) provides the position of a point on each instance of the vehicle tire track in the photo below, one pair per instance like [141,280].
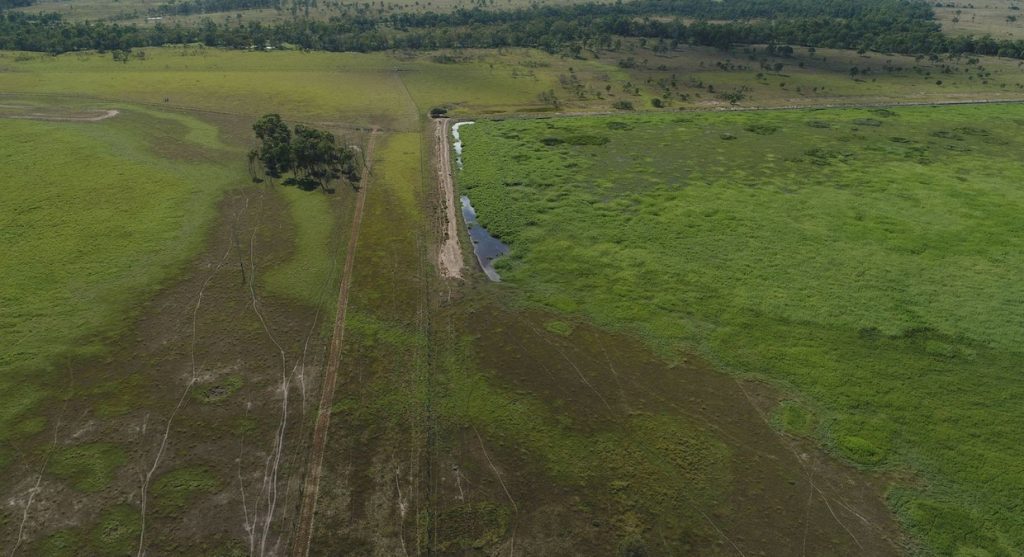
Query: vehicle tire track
[311,488]
[449,258]
[181,402]
[36,487]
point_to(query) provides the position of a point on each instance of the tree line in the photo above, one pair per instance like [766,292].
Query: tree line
[898,26]
[8,4]
[313,156]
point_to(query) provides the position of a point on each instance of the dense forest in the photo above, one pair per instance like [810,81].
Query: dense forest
[897,26]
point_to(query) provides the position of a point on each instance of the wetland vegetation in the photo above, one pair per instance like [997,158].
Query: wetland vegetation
[862,258]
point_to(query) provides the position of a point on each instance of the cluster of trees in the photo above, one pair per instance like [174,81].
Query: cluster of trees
[902,26]
[312,155]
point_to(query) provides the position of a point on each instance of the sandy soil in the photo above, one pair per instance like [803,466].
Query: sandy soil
[449,258]
[83,116]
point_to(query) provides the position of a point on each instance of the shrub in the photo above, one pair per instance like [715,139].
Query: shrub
[870,122]
[762,129]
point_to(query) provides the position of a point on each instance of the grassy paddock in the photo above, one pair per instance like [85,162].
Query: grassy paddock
[389,90]
[1000,18]
[94,221]
[860,258]
[703,76]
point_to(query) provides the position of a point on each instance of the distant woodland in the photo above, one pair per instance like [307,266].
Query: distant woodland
[897,26]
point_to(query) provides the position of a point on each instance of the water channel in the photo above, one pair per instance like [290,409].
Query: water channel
[486,247]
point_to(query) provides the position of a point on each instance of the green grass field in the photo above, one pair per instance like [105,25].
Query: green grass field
[999,18]
[99,219]
[861,259]
[94,221]
[700,77]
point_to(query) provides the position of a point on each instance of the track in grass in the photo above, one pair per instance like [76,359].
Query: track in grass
[449,258]
[304,530]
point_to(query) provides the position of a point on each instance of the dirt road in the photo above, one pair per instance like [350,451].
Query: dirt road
[449,258]
[311,488]
[55,117]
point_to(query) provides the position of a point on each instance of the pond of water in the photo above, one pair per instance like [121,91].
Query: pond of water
[486,247]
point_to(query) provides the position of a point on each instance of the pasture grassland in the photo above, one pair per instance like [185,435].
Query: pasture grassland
[88,10]
[387,90]
[312,271]
[380,392]
[359,90]
[506,80]
[1002,19]
[862,259]
[391,90]
[475,424]
[93,222]
[136,11]
[702,76]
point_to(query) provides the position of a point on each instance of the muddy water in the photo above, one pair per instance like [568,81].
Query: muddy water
[457,144]
[486,247]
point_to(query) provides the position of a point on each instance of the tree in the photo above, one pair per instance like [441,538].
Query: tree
[122,55]
[312,154]
[316,156]
[275,150]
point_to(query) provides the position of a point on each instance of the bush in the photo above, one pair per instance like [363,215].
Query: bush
[586,139]
[762,129]
[860,450]
[622,105]
[870,122]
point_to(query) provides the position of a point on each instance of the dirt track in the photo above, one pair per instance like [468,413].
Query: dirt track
[58,117]
[449,258]
[311,487]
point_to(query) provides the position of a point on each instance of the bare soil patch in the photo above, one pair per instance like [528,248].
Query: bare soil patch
[449,257]
[55,114]
[209,379]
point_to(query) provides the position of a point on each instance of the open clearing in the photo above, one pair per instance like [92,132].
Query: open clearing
[172,321]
